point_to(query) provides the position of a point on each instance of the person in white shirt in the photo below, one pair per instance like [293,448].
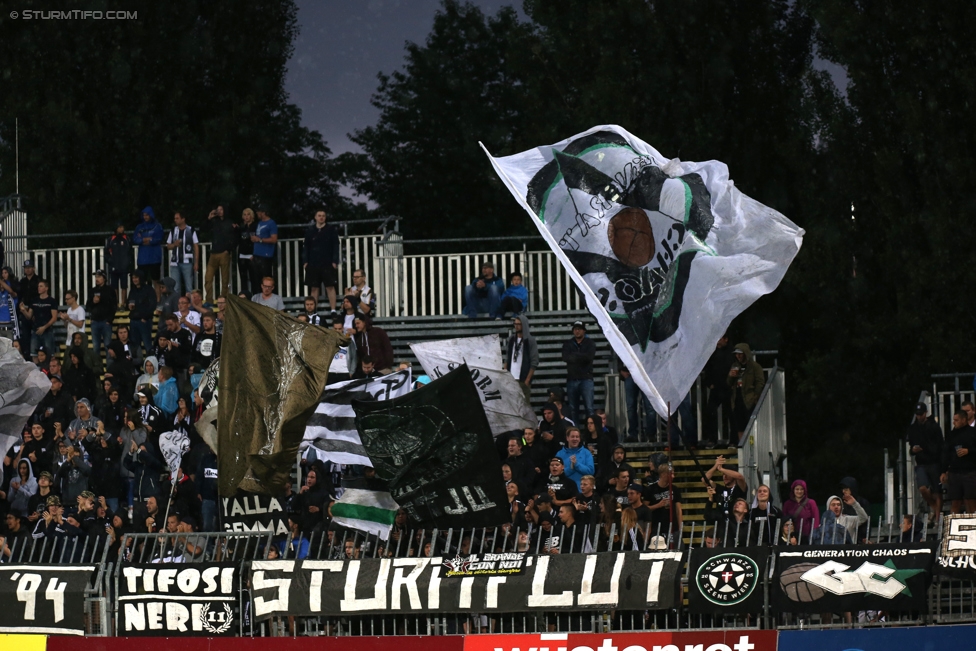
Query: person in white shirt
[189,320]
[362,291]
[74,316]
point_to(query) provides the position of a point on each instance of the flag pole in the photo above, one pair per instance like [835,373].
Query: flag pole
[670,478]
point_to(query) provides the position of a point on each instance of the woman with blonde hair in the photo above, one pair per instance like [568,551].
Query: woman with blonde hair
[631,534]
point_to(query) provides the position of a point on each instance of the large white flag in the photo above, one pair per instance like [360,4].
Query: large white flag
[666,253]
[505,404]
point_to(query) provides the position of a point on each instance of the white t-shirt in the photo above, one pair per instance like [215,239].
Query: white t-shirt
[191,317]
[78,314]
[515,368]
[347,321]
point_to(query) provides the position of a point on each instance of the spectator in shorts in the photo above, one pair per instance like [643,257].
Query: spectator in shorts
[959,464]
[118,259]
[149,237]
[321,258]
[925,439]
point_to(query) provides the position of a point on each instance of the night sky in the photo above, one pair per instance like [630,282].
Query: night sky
[341,48]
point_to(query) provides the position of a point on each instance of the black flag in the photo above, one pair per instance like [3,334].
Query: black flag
[435,450]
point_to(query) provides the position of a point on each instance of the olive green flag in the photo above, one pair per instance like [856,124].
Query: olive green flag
[272,371]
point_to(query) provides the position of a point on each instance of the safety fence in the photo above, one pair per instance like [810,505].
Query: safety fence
[563,578]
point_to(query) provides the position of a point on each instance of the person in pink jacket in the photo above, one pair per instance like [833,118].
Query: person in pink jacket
[801,510]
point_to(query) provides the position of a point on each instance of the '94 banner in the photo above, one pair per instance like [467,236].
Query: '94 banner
[43,598]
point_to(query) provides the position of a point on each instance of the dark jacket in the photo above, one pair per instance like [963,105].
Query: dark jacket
[579,358]
[104,309]
[244,232]
[146,466]
[929,437]
[321,246]
[964,437]
[151,253]
[751,377]
[374,342]
[224,235]
[144,298]
[530,351]
[118,253]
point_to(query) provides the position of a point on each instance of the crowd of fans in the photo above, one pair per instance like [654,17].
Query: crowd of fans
[89,467]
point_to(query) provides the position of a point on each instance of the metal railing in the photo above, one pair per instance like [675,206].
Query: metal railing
[762,450]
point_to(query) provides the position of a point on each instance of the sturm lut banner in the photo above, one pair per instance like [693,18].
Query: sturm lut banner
[631,581]
[179,599]
[727,580]
[957,552]
[863,577]
[43,598]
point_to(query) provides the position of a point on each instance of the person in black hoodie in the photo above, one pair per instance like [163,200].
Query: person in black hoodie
[142,304]
[959,464]
[206,482]
[579,351]
[552,429]
[925,440]
[313,499]
[105,456]
[56,406]
[118,259]
[79,380]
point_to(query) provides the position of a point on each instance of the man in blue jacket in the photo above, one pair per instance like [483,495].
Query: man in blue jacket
[484,294]
[576,458]
[148,236]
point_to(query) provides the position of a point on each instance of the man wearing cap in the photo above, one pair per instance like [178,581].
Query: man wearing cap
[265,238]
[101,305]
[27,292]
[72,477]
[184,254]
[925,440]
[578,354]
[37,502]
[484,294]
[635,494]
[560,488]
[51,524]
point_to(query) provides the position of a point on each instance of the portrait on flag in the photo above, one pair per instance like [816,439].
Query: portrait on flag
[666,253]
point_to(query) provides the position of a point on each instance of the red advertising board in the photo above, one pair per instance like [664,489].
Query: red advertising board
[390,643]
[741,640]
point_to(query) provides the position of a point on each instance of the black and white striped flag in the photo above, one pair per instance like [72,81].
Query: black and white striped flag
[332,428]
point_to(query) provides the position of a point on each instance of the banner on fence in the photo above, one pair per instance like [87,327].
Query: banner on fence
[863,577]
[179,599]
[253,512]
[727,580]
[434,450]
[957,552]
[751,640]
[626,580]
[43,598]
